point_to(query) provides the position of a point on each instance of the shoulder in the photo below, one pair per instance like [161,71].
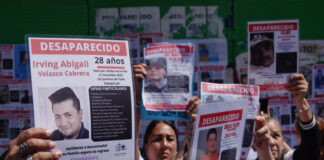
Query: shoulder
[84,133]
[289,155]
[56,135]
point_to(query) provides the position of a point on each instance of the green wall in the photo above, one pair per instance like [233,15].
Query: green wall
[77,17]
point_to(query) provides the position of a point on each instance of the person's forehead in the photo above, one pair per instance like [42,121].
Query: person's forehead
[212,135]
[163,129]
[274,126]
[66,105]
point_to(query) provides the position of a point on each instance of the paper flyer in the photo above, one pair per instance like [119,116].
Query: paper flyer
[12,123]
[173,21]
[212,73]
[278,92]
[241,62]
[212,50]
[215,23]
[106,21]
[273,48]
[318,81]
[129,19]
[211,93]
[168,83]
[148,38]
[133,41]
[149,19]
[219,130]
[195,21]
[21,67]
[6,61]
[83,92]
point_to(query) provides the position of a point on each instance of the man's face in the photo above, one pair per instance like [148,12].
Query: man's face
[156,73]
[267,57]
[67,118]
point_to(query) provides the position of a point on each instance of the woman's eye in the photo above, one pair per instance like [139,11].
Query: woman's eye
[157,139]
[170,139]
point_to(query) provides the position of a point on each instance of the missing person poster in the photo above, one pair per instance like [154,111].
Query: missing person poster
[83,92]
[273,48]
[168,82]
[211,93]
[219,130]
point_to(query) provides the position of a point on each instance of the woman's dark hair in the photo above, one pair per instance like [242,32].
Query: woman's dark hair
[210,131]
[152,125]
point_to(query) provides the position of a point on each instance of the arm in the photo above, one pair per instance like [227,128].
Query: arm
[38,145]
[139,73]
[262,139]
[298,87]
[310,135]
[192,108]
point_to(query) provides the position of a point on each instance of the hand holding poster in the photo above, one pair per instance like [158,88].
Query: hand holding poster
[273,51]
[219,130]
[83,90]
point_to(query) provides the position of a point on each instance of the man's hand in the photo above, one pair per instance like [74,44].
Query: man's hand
[262,139]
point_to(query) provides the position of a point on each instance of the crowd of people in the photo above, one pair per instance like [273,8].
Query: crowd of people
[161,139]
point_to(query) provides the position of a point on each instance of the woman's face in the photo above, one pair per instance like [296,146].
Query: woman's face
[211,143]
[276,142]
[162,143]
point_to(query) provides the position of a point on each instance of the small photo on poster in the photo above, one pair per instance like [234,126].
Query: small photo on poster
[156,77]
[209,144]
[319,78]
[262,53]
[4,94]
[4,128]
[65,112]
[286,62]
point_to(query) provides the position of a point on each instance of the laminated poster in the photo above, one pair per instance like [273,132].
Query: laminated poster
[219,130]
[273,48]
[83,92]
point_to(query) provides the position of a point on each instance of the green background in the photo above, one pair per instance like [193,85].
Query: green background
[77,17]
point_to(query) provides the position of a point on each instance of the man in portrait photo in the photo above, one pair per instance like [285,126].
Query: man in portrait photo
[68,115]
[262,53]
[156,75]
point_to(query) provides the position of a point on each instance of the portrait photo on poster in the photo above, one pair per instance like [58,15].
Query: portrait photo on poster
[319,78]
[65,112]
[262,52]
[209,143]
[4,94]
[156,77]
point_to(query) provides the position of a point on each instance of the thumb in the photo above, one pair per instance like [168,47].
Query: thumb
[259,122]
